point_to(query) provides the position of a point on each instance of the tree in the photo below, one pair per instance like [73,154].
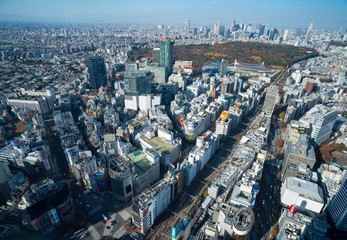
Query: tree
[274,230]
[339,146]
[279,142]
[282,124]
[281,92]
[281,115]
[325,152]
[279,155]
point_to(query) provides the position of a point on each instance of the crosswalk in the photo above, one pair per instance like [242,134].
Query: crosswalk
[91,229]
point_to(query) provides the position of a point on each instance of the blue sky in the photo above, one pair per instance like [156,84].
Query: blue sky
[327,14]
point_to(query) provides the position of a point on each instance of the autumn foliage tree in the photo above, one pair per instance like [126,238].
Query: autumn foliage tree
[274,230]
[279,142]
[281,92]
[279,155]
[282,124]
[325,152]
[281,115]
[251,52]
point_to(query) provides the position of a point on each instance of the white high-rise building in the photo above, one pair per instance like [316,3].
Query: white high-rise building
[322,120]
[337,208]
[187,27]
[285,34]
[217,28]
[148,205]
[271,99]
[309,32]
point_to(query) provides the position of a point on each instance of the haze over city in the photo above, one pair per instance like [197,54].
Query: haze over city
[290,14]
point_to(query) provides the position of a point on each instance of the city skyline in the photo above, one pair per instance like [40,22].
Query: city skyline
[293,14]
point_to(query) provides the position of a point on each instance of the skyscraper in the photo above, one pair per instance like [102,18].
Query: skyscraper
[187,28]
[218,28]
[297,33]
[270,99]
[224,67]
[97,72]
[309,32]
[262,30]
[137,82]
[166,54]
[232,27]
[337,208]
[195,31]
[322,120]
[156,55]
[285,34]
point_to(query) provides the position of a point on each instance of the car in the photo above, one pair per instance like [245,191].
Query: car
[104,217]
[108,227]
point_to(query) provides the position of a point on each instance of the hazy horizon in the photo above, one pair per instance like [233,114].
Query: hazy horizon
[286,14]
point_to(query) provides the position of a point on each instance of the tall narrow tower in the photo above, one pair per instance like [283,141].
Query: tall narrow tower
[187,27]
[166,54]
[97,72]
[218,28]
[232,27]
[337,208]
[309,31]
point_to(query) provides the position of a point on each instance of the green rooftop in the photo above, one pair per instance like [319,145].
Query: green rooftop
[159,144]
[140,162]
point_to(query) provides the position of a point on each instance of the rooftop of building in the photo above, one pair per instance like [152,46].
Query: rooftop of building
[143,198]
[319,111]
[140,161]
[243,198]
[244,219]
[159,144]
[255,67]
[305,188]
[305,150]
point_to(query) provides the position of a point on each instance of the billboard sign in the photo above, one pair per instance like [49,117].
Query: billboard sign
[144,213]
[46,163]
[25,184]
[85,154]
[261,156]
[37,220]
[292,209]
[176,231]
[109,137]
[21,179]
[54,214]
[225,114]
[14,142]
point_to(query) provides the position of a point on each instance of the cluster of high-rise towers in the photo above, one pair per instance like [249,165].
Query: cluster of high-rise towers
[163,56]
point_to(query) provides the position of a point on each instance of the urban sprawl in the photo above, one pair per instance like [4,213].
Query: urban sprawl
[93,146]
